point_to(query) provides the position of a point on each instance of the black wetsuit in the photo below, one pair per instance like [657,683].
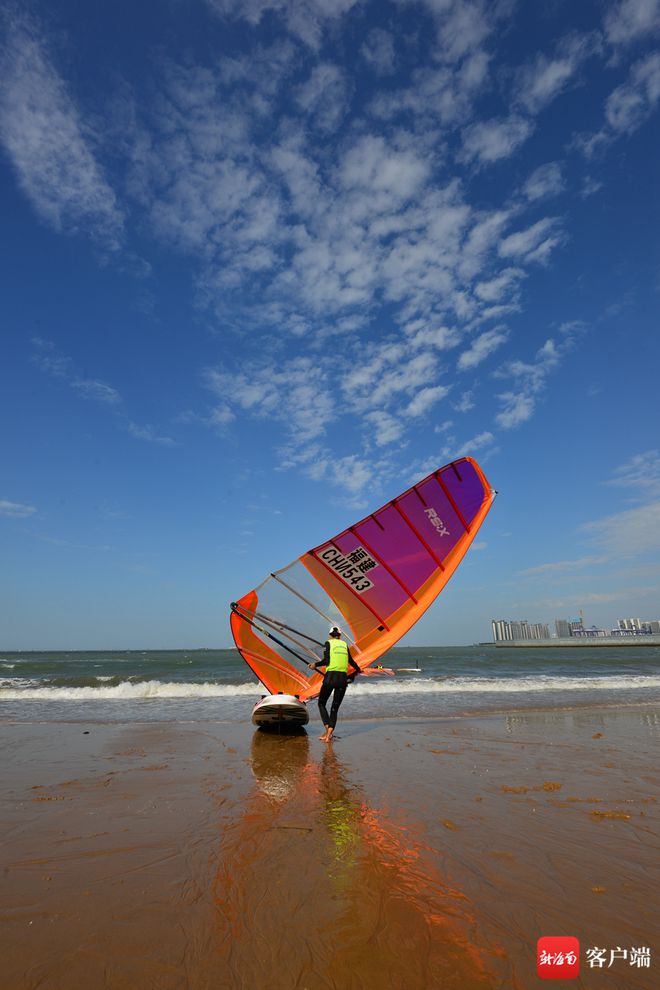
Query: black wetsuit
[334,683]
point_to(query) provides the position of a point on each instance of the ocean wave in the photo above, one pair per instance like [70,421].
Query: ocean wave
[35,690]
[507,685]
[129,690]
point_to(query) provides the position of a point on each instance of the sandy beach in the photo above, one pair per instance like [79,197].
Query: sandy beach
[410,854]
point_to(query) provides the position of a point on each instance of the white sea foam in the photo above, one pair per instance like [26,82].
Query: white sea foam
[506,685]
[30,690]
[129,691]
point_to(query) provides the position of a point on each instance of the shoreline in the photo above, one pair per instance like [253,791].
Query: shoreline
[204,855]
[652,704]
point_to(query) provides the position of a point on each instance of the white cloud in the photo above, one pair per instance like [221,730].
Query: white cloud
[519,404]
[392,375]
[543,79]
[150,434]
[493,289]
[641,474]
[517,408]
[46,357]
[49,145]
[546,180]
[221,415]
[425,399]
[535,243]
[628,106]
[482,347]
[481,240]
[478,442]
[324,96]
[438,95]
[298,393]
[386,428]
[354,473]
[451,451]
[625,597]
[317,240]
[628,20]
[97,391]
[371,165]
[464,404]
[590,187]
[59,366]
[630,533]
[16,510]
[493,140]
[563,566]
[378,51]
[463,26]
[306,19]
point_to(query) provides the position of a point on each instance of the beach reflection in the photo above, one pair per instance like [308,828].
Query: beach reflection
[584,718]
[310,874]
[277,762]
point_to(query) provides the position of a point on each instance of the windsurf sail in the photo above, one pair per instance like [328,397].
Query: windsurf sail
[374,580]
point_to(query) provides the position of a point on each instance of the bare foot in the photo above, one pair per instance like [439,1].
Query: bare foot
[324,737]
[328,736]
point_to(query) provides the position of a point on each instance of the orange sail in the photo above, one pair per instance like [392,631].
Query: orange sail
[374,580]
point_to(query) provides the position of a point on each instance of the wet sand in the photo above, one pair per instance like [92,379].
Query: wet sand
[409,854]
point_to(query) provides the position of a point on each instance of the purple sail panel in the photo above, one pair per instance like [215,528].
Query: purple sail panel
[392,539]
[465,487]
[431,515]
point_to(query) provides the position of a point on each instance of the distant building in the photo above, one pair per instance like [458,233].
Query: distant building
[591,632]
[636,627]
[632,625]
[504,630]
[501,630]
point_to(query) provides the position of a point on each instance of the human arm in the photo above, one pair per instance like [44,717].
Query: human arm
[356,669]
[321,663]
[353,664]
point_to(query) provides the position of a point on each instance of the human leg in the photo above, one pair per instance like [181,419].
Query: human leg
[337,698]
[324,694]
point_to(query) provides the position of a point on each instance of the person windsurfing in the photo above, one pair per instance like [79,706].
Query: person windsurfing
[336,660]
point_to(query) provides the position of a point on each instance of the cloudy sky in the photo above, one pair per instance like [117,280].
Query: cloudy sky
[267,263]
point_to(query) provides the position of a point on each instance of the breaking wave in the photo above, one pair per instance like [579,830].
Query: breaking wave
[33,690]
[128,690]
[506,685]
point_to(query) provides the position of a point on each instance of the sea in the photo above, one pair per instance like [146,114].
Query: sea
[216,685]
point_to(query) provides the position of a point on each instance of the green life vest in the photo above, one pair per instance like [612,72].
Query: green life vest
[338,655]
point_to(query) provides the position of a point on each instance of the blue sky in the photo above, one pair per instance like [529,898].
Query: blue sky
[267,263]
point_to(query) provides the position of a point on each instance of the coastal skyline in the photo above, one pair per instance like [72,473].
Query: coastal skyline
[268,264]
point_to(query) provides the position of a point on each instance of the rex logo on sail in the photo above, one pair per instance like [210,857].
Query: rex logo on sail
[436,521]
